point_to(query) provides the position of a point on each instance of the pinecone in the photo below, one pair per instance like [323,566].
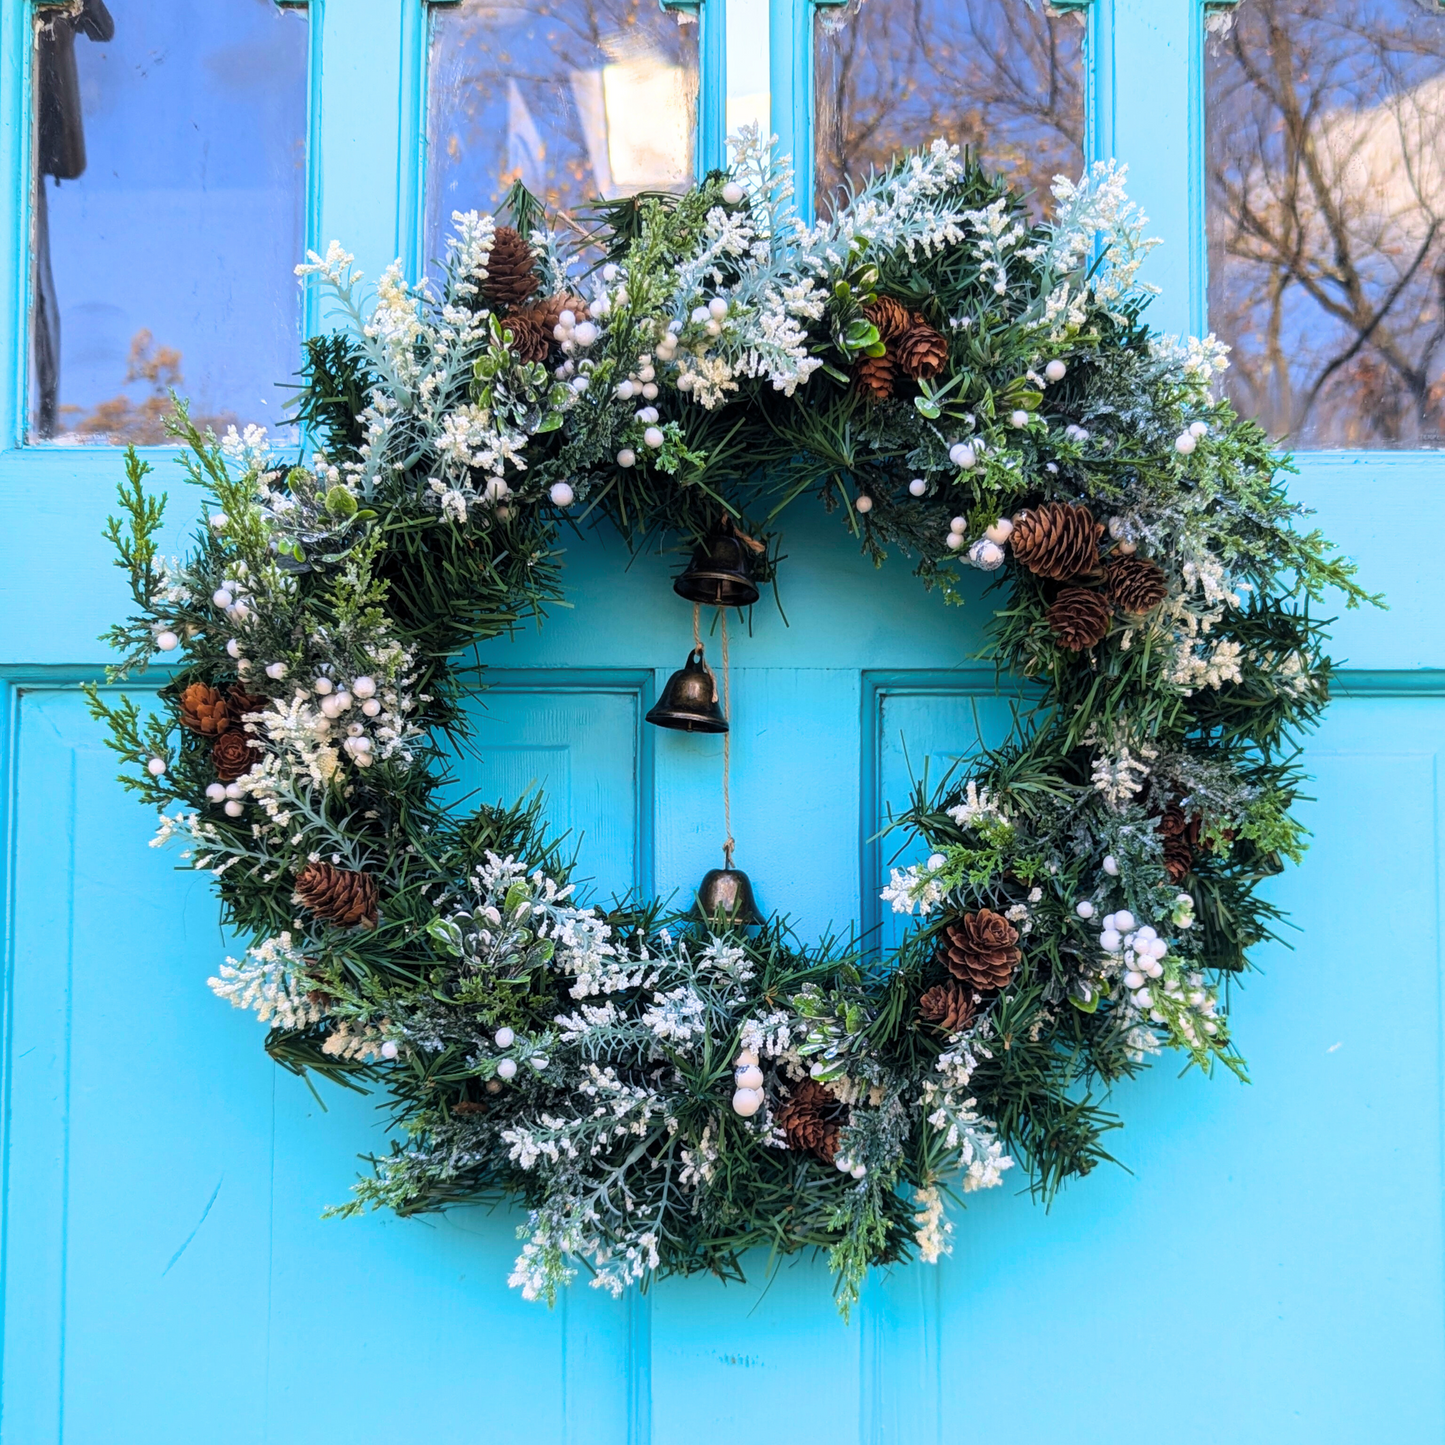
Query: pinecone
[532,326]
[1135,584]
[922,351]
[240,702]
[1079,618]
[1058,540]
[891,317]
[204,710]
[979,949]
[949,1004]
[811,1118]
[510,278]
[233,755]
[469,1106]
[338,895]
[1181,838]
[874,376]
[528,343]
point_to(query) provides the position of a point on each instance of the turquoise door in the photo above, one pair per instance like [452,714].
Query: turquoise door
[1265,1265]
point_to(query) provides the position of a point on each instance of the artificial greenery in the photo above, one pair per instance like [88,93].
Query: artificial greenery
[710,359]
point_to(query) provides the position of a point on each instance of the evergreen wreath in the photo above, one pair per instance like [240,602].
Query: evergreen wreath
[662,1094]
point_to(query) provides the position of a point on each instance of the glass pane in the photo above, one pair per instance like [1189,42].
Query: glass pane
[1326,164]
[170,209]
[576,98]
[1003,76]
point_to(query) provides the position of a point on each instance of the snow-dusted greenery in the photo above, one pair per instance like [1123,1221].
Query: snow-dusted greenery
[583,1062]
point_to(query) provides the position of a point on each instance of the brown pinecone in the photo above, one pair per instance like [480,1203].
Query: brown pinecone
[204,710]
[511,278]
[240,702]
[233,755]
[469,1106]
[811,1118]
[1079,618]
[532,326]
[528,343]
[949,1004]
[338,895]
[890,316]
[874,376]
[922,351]
[1058,540]
[980,949]
[1135,584]
[1181,838]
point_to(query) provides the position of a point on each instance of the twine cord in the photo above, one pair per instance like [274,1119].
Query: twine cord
[728,843]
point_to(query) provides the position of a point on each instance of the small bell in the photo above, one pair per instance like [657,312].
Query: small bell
[718,574]
[689,701]
[727,892]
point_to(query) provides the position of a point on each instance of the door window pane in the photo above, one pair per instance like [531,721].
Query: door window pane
[575,98]
[169,210]
[1326,169]
[1003,76]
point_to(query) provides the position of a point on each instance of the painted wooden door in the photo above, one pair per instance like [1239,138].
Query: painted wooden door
[1266,1265]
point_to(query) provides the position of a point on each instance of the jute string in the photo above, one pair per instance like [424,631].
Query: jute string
[728,842]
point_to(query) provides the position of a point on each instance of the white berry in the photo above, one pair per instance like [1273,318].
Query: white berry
[917,486]
[749,1077]
[1184,443]
[234,809]
[1124,921]
[1109,941]
[959,525]
[507,1069]
[219,520]
[562,495]
[747,1102]
[1198,428]
[216,792]
[1018,418]
[864,503]
[653,437]
[858,1170]
[156,767]
[584,333]
[732,193]
[1084,909]
[364,687]
[505,1038]
[955,540]
[389,1050]
[962,455]
[1001,531]
[649,389]
[1111,865]
[1133,980]
[1056,370]
[222,598]
[935,862]
[717,308]
[234,791]
[626,457]
[275,671]
[167,641]
[624,391]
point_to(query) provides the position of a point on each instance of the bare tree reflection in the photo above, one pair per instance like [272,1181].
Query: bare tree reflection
[577,98]
[1326,165]
[1003,76]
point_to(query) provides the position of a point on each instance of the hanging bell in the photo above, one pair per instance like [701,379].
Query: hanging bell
[718,575]
[726,893]
[689,701]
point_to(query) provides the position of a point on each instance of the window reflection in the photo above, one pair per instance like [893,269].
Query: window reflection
[169,210]
[1003,76]
[1326,165]
[575,98]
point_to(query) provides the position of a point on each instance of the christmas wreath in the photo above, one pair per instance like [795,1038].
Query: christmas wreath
[664,1090]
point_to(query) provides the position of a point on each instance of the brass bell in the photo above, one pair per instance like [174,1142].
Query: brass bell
[689,701]
[726,893]
[718,574]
